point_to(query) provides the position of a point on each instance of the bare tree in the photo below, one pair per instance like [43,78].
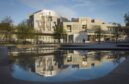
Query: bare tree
[126,19]
[59,31]
[25,31]
[98,32]
[6,27]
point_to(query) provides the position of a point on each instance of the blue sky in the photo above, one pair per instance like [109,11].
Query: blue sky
[106,10]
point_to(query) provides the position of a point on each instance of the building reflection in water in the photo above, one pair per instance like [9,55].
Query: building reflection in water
[46,66]
[52,65]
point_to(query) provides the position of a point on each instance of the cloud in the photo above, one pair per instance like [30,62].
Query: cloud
[39,4]
[56,5]
[65,11]
[70,3]
[36,4]
[68,8]
[93,3]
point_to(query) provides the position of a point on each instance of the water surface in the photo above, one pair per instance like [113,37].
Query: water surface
[68,65]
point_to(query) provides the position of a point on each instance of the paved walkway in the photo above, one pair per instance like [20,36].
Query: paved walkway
[118,76]
[95,46]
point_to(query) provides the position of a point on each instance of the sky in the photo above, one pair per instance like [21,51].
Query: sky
[106,10]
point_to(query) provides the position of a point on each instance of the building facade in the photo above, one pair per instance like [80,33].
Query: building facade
[85,29]
[43,21]
[78,30]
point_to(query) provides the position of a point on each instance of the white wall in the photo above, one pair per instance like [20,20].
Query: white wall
[78,38]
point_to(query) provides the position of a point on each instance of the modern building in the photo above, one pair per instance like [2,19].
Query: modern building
[43,21]
[85,30]
[78,30]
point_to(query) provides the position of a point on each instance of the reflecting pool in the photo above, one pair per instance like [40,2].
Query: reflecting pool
[66,65]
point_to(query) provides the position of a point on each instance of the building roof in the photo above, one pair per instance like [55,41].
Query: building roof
[46,12]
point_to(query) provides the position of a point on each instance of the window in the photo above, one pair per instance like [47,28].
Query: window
[93,21]
[69,28]
[84,26]
[69,59]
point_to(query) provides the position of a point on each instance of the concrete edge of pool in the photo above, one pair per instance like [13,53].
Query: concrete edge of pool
[119,75]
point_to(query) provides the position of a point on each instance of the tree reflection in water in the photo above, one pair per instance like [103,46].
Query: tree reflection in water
[58,56]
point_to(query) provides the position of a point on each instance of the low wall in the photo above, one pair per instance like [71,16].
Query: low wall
[3,56]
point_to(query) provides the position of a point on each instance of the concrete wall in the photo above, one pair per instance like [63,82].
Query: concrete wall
[80,37]
[3,56]
[43,21]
